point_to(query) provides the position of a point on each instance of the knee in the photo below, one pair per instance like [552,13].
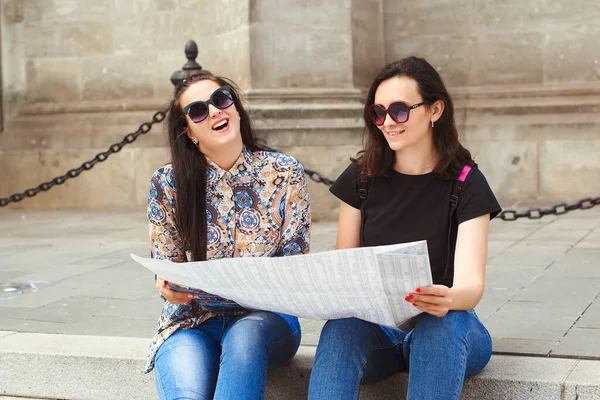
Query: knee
[250,337]
[186,358]
[451,325]
[337,328]
[181,377]
[245,338]
[345,333]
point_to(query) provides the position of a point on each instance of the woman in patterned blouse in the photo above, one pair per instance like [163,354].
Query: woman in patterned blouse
[223,195]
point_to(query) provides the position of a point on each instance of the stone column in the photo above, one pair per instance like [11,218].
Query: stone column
[12,57]
[309,61]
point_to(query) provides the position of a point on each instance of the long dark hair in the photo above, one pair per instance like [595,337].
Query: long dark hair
[377,157]
[190,166]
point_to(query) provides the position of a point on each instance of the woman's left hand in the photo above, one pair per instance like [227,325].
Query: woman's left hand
[435,300]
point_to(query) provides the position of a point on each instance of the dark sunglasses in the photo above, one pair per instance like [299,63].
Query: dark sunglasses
[198,110]
[398,111]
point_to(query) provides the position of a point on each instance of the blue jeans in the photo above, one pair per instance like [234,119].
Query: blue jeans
[225,357]
[438,354]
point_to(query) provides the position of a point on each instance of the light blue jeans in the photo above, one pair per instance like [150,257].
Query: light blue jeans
[225,357]
[438,353]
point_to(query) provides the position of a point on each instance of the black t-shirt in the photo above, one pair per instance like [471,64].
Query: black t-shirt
[406,208]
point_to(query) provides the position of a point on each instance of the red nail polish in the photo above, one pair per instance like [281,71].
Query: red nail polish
[418,290]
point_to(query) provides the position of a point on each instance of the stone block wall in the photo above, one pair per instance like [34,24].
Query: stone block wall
[297,43]
[526,78]
[13,58]
[78,75]
[484,43]
[549,134]
[122,51]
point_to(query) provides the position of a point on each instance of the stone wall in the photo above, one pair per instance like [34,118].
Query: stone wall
[104,50]
[301,44]
[526,78]
[78,75]
[13,58]
[484,43]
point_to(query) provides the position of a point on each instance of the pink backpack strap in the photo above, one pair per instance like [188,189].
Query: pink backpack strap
[465,171]
[454,196]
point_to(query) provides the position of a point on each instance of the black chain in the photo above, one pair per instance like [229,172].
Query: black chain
[317,177]
[559,209]
[86,166]
[506,215]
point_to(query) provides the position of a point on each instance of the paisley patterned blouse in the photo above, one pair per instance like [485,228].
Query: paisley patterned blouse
[259,208]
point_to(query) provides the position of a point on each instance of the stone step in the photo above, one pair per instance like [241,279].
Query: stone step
[35,365]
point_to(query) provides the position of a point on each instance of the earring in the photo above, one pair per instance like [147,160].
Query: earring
[432,124]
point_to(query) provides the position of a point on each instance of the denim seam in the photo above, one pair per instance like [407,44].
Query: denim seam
[458,388]
[357,390]
[266,373]
[293,332]
[279,341]
[463,366]
[366,357]
[161,393]
[487,333]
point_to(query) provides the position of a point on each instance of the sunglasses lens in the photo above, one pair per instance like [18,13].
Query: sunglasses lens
[399,112]
[377,115]
[198,112]
[222,99]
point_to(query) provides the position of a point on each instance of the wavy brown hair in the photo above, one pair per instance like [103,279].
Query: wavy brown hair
[377,157]
[190,165]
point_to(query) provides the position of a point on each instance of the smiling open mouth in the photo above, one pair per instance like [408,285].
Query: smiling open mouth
[221,125]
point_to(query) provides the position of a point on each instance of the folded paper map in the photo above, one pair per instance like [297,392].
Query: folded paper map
[369,283]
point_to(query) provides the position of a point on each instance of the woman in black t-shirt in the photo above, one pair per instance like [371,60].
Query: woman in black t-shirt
[413,158]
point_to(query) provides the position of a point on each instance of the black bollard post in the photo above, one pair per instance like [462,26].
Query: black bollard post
[191,67]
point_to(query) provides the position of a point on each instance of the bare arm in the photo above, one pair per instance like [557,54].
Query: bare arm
[348,235]
[469,263]
[469,272]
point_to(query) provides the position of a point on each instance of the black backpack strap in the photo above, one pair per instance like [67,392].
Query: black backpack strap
[362,189]
[457,188]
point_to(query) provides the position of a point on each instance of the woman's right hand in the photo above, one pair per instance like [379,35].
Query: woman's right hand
[171,295]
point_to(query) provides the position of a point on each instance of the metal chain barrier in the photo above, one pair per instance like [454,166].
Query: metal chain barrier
[86,166]
[559,209]
[317,177]
[507,215]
